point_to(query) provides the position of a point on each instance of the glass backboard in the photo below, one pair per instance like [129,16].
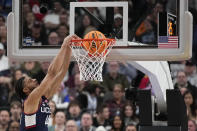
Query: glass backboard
[143,29]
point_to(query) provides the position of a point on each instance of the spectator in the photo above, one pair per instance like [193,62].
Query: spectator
[30,68]
[53,39]
[63,31]
[15,110]
[4,87]
[176,66]
[182,82]
[58,9]
[145,32]
[35,6]
[60,121]
[81,97]
[74,112]
[100,128]
[17,74]
[2,20]
[118,25]
[51,21]
[52,18]
[192,125]
[113,77]
[52,106]
[4,119]
[73,69]
[131,127]
[71,95]
[189,102]
[26,9]
[64,18]
[190,70]
[71,125]
[74,79]
[86,23]
[129,114]
[153,19]
[91,98]
[4,95]
[102,117]
[28,23]
[117,123]
[42,72]
[14,126]
[159,7]
[3,36]
[59,97]
[38,33]
[86,122]
[117,102]
[3,59]
[79,90]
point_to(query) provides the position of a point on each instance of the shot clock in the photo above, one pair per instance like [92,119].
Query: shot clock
[167,25]
[172,24]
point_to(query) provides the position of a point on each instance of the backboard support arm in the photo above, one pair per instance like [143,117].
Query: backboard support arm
[169,101]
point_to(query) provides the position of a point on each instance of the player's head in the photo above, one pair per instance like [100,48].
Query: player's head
[19,88]
[24,86]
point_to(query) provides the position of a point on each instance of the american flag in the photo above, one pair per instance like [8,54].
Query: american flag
[168,42]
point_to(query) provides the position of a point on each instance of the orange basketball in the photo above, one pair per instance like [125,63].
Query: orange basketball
[95,48]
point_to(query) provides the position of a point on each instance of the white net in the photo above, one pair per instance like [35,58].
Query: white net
[90,56]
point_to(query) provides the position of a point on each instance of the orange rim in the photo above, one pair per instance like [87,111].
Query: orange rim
[76,42]
[79,40]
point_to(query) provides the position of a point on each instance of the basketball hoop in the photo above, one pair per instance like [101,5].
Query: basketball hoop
[91,63]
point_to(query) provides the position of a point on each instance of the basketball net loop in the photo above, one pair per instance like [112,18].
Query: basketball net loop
[91,64]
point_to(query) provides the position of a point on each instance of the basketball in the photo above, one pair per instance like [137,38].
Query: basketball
[95,48]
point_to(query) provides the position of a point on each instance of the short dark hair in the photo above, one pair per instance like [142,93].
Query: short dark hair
[190,63]
[73,103]
[101,108]
[5,108]
[19,88]
[59,110]
[87,113]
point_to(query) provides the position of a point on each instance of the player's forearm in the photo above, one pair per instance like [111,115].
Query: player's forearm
[66,61]
[63,55]
[56,82]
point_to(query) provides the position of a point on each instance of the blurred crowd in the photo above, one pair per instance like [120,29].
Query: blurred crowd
[110,105]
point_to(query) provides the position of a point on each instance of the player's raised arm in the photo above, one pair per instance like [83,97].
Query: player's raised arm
[57,69]
[62,57]
[30,90]
[65,60]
